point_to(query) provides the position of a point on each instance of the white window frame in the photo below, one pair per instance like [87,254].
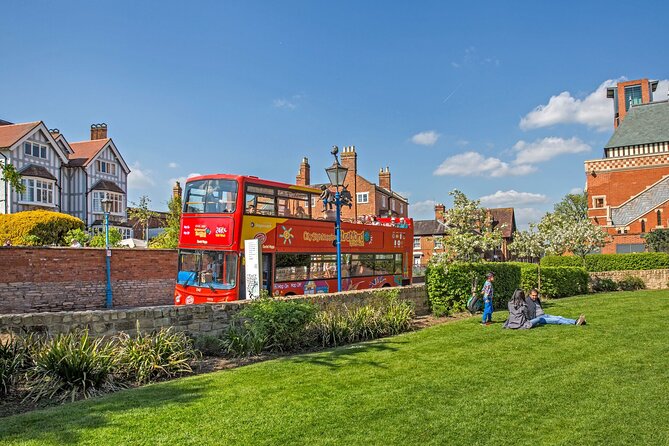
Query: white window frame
[362,197]
[594,201]
[106,167]
[401,208]
[41,150]
[118,202]
[41,187]
[438,243]
[384,201]
[416,243]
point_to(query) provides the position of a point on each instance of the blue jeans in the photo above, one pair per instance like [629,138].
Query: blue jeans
[487,311]
[550,319]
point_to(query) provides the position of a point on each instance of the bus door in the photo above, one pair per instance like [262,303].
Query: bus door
[267,273]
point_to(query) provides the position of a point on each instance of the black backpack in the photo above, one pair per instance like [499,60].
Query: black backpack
[474,302]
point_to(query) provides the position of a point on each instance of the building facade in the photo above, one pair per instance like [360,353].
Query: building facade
[369,199]
[628,189]
[60,176]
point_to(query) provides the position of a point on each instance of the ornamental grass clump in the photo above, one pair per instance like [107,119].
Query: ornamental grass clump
[70,366]
[13,361]
[145,358]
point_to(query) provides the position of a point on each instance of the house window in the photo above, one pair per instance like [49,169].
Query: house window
[438,243]
[116,199]
[416,243]
[37,191]
[384,201]
[362,197]
[632,96]
[401,208]
[643,225]
[106,167]
[659,217]
[35,150]
[599,202]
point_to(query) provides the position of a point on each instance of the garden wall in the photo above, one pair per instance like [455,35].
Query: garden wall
[195,319]
[42,279]
[655,279]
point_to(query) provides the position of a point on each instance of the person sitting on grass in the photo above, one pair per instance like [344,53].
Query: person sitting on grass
[517,312]
[537,316]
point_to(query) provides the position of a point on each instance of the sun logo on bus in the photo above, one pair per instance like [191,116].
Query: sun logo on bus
[287,235]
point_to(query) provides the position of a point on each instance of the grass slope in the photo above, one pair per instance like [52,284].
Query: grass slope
[459,383]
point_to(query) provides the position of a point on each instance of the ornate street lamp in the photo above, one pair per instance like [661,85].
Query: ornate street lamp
[106,208]
[337,175]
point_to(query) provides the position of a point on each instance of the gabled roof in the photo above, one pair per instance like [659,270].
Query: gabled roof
[85,151]
[643,124]
[428,227]
[11,134]
[32,170]
[506,217]
[107,185]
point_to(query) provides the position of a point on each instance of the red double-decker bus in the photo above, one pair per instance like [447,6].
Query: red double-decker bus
[297,237]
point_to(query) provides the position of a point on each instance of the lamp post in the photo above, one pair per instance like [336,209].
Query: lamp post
[106,208]
[337,175]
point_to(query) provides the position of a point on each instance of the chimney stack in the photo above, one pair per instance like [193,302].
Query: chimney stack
[439,211]
[303,178]
[98,131]
[349,159]
[176,190]
[384,178]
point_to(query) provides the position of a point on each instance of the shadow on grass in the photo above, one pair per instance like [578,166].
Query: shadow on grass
[59,425]
[350,355]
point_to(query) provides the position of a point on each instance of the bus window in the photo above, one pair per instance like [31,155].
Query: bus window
[292,267]
[398,264]
[384,264]
[293,204]
[194,197]
[260,200]
[221,196]
[214,269]
[188,268]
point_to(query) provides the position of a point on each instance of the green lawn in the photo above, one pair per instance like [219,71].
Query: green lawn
[459,383]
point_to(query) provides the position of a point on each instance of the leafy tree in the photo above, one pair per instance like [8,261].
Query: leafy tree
[658,240]
[469,231]
[573,207]
[530,244]
[141,212]
[78,235]
[12,176]
[98,240]
[563,234]
[169,238]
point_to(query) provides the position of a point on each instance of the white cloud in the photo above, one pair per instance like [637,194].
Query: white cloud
[428,138]
[525,216]
[512,198]
[547,148]
[182,180]
[662,91]
[422,210]
[595,110]
[475,164]
[172,165]
[139,178]
[576,191]
[284,104]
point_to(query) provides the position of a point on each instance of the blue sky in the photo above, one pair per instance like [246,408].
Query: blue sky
[501,100]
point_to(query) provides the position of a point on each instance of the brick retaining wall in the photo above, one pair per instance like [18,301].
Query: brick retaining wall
[58,279]
[209,319]
[655,279]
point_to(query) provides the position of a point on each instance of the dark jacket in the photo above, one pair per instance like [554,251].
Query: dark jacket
[517,316]
[533,308]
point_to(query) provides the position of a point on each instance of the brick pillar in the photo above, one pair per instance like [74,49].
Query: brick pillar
[303,178]
[349,159]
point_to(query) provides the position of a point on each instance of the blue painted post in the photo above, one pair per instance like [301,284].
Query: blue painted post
[338,237]
[107,256]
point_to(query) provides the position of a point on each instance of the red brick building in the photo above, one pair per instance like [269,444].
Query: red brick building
[369,198]
[628,189]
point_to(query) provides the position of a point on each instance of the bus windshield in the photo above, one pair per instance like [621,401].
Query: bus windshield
[210,197]
[213,269]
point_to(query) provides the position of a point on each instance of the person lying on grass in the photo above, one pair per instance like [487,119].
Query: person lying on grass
[520,313]
[537,316]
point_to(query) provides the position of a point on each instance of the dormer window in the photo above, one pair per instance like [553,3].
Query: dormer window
[35,150]
[106,167]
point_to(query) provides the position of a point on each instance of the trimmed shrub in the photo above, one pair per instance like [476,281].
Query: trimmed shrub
[622,262]
[562,261]
[603,284]
[145,358]
[98,240]
[37,227]
[563,281]
[449,285]
[70,366]
[631,283]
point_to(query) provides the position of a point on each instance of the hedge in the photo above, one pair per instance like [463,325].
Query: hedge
[449,286]
[612,262]
[562,261]
[37,227]
[560,281]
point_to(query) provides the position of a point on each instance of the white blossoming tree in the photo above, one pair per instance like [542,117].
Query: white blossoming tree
[564,234]
[469,231]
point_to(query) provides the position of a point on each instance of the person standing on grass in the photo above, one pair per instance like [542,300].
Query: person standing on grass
[487,292]
[537,316]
